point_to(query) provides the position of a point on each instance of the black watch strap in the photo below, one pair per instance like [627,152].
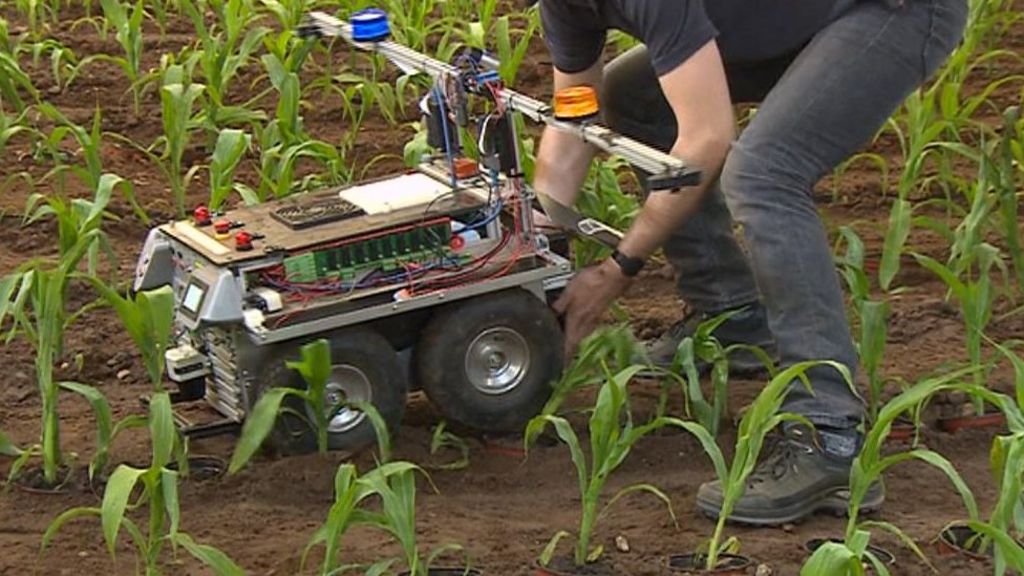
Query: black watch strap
[629,265]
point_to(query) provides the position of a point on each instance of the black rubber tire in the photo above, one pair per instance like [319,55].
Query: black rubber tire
[440,359]
[363,349]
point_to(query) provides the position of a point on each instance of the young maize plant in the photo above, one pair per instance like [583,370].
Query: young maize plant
[511,52]
[478,30]
[178,95]
[34,297]
[441,439]
[350,492]
[604,200]
[315,367]
[225,49]
[873,316]
[395,485]
[849,557]
[612,436]
[13,82]
[12,126]
[975,294]
[761,417]
[704,347]
[128,31]
[159,495]
[231,147]
[148,317]
[614,346]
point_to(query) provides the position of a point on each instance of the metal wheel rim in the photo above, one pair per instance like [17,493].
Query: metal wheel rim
[497,360]
[346,383]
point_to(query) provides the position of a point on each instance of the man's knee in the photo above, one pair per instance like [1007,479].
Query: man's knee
[760,177]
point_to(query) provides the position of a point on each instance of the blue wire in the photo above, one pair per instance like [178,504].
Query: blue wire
[447,142]
[485,221]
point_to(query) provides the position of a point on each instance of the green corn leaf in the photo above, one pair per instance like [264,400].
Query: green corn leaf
[169,488]
[834,559]
[8,448]
[162,429]
[568,436]
[650,489]
[708,443]
[315,363]
[380,428]
[552,545]
[115,500]
[901,535]
[895,239]
[104,422]
[1008,552]
[213,558]
[946,467]
[258,425]
[880,569]
[62,519]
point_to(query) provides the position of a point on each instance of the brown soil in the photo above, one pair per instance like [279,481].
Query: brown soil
[502,509]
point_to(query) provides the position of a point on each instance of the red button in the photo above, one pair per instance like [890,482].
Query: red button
[201,216]
[222,226]
[243,241]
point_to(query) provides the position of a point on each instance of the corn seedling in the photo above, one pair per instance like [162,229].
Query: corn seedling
[476,33]
[177,100]
[229,150]
[761,417]
[873,316]
[11,126]
[106,429]
[395,485]
[604,200]
[35,295]
[511,49]
[849,557]
[1010,162]
[350,492]
[127,23]
[89,140]
[612,345]
[13,82]
[315,367]
[612,436]
[442,439]
[159,494]
[225,49]
[148,317]
[703,347]
[975,294]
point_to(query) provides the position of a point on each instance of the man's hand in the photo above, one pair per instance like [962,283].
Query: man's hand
[586,299]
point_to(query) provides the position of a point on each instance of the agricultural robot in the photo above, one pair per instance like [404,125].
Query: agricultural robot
[434,280]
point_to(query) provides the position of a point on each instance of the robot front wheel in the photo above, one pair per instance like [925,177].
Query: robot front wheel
[364,368]
[489,362]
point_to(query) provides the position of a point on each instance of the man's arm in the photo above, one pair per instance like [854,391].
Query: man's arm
[562,159]
[699,96]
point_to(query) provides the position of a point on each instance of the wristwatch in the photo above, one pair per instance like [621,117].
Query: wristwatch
[629,265]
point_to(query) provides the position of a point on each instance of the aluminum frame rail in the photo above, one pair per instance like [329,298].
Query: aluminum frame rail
[666,172]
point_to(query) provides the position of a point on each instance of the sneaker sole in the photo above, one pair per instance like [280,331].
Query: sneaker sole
[835,503]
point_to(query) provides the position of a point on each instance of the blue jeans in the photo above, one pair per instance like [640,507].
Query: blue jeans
[818,106]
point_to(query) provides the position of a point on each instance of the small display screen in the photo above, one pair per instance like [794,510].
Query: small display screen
[193,298]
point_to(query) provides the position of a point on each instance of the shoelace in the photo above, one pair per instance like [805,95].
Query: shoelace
[781,455]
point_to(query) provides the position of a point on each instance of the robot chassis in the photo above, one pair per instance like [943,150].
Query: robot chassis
[435,280]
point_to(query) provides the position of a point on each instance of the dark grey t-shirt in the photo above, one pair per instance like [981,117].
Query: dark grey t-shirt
[672,30]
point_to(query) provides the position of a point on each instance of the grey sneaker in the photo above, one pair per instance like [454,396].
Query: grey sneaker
[796,477]
[748,325]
